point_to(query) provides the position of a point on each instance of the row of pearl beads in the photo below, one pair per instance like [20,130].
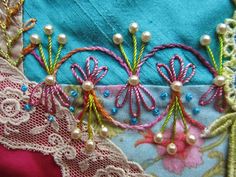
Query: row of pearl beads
[221,29]
[118,38]
[171,148]
[133,28]
[35,39]
[90,144]
[48,30]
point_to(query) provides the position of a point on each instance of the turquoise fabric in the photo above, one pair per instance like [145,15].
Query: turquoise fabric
[91,22]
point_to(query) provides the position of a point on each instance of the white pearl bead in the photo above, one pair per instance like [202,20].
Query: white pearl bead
[158,137]
[35,39]
[171,149]
[48,29]
[176,86]
[191,139]
[133,80]
[62,39]
[221,28]
[133,27]
[50,80]
[90,146]
[205,40]
[146,36]
[76,134]
[87,86]
[117,39]
[104,132]
[219,81]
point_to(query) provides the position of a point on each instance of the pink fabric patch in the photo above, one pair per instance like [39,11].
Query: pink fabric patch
[19,163]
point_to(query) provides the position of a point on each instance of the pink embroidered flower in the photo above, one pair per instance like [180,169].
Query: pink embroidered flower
[187,155]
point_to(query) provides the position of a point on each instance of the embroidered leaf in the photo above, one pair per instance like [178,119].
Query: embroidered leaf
[218,168]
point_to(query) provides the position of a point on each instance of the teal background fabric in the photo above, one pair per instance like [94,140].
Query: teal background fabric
[91,22]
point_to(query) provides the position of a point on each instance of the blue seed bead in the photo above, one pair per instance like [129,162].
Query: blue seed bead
[164,95]
[51,118]
[114,111]
[73,93]
[188,97]
[106,93]
[27,107]
[156,112]
[24,88]
[72,109]
[133,121]
[196,111]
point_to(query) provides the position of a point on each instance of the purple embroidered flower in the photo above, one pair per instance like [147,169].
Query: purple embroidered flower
[136,94]
[89,78]
[46,94]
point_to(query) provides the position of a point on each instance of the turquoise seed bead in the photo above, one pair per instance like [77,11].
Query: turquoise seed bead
[51,118]
[164,95]
[196,111]
[114,111]
[27,107]
[73,93]
[188,97]
[106,93]
[72,109]
[133,121]
[24,88]
[156,112]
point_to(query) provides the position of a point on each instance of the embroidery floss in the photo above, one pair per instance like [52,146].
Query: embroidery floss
[133,91]
[9,37]
[92,107]
[175,107]
[225,123]
[50,90]
[216,91]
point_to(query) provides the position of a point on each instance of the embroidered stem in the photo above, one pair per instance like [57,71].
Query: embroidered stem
[44,58]
[50,53]
[135,52]
[221,54]
[57,56]
[125,56]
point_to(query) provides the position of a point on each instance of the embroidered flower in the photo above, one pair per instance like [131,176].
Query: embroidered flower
[11,110]
[186,156]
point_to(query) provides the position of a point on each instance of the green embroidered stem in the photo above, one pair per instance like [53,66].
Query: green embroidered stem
[167,118]
[219,168]
[174,123]
[14,39]
[212,57]
[43,58]
[125,56]
[182,116]
[231,164]
[215,144]
[50,53]
[221,54]
[90,131]
[97,114]
[140,54]
[135,53]
[57,55]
